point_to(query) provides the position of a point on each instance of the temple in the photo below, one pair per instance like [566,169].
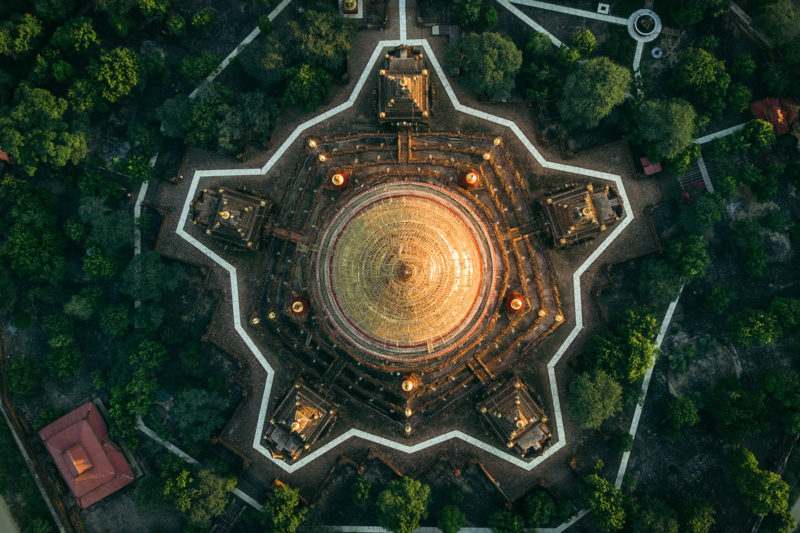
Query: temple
[232,217]
[92,467]
[404,89]
[298,422]
[517,418]
[577,213]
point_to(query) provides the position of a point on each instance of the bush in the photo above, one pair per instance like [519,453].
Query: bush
[450,519]
[308,87]
[403,505]
[689,255]
[681,412]
[176,25]
[195,69]
[593,398]
[539,508]
[659,282]
[488,61]
[754,327]
[718,298]
[22,375]
[749,243]
[584,42]
[203,20]
[360,491]
[265,24]
[505,521]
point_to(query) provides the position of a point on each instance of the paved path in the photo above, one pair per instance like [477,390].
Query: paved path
[236,51]
[572,11]
[529,21]
[701,164]
[637,413]
[721,133]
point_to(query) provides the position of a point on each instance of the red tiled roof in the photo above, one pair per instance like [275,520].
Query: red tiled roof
[778,112]
[92,466]
[650,168]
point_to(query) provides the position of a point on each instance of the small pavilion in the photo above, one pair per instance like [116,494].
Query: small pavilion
[230,216]
[576,213]
[517,418]
[404,88]
[780,112]
[92,467]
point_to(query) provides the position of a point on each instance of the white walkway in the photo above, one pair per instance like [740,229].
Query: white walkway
[721,133]
[572,11]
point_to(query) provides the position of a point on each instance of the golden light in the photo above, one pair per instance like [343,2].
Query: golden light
[407,385]
[298,306]
[255,321]
[337,180]
[496,141]
[471,178]
[542,312]
[322,157]
[272,315]
[487,156]
[225,214]
[516,304]
[312,143]
[295,426]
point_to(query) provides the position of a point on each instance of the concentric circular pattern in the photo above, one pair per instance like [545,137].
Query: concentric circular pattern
[405,272]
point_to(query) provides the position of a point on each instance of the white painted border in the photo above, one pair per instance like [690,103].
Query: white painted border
[355,433]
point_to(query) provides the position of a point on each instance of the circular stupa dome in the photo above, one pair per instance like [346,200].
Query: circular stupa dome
[405,271]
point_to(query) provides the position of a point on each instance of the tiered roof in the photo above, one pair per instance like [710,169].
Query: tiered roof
[231,216]
[517,418]
[576,213]
[404,88]
[92,467]
[298,422]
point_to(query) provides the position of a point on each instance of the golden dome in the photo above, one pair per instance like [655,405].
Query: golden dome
[408,271]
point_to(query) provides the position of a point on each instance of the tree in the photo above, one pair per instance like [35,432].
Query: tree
[195,69]
[403,505]
[584,42]
[764,492]
[55,10]
[65,358]
[689,254]
[606,503]
[75,36]
[665,127]
[701,77]
[265,60]
[754,327]
[655,516]
[701,212]
[738,413]
[282,512]
[488,61]
[692,11]
[308,87]
[489,17]
[451,519]
[35,245]
[22,375]
[786,311]
[592,90]
[111,230]
[115,320]
[743,65]
[468,11]
[251,120]
[84,305]
[18,33]
[147,277]
[174,114]
[117,72]
[199,413]
[781,20]
[593,398]
[322,38]
[210,495]
[748,242]
[659,281]
[696,515]
[505,521]
[757,136]
[681,413]
[203,20]
[539,508]
[628,351]
[34,131]
[176,25]
[153,8]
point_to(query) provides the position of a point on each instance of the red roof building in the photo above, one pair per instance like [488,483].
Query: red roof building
[650,168]
[92,466]
[778,112]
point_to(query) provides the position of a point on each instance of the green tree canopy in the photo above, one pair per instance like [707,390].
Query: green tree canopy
[754,327]
[659,281]
[692,11]
[323,38]
[701,77]
[210,495]
[505,521]
[111,229]
[307,88]
[65,358]
[539,508]
[592,90]
[606,503]
[147,277]
[17,35]
[584,42]
[282,511]
[764,492]
[738,412]
[665,127]
[701,212]
[117,72]
[199,413]
[593,398]
[690,256]
[628,351]
[488,62]
[34,131]
[402,505]
[22,375]
[654,516]
[56,10]
[681,412]
[696,515]
[76,35]
[450,519]
[468,11]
